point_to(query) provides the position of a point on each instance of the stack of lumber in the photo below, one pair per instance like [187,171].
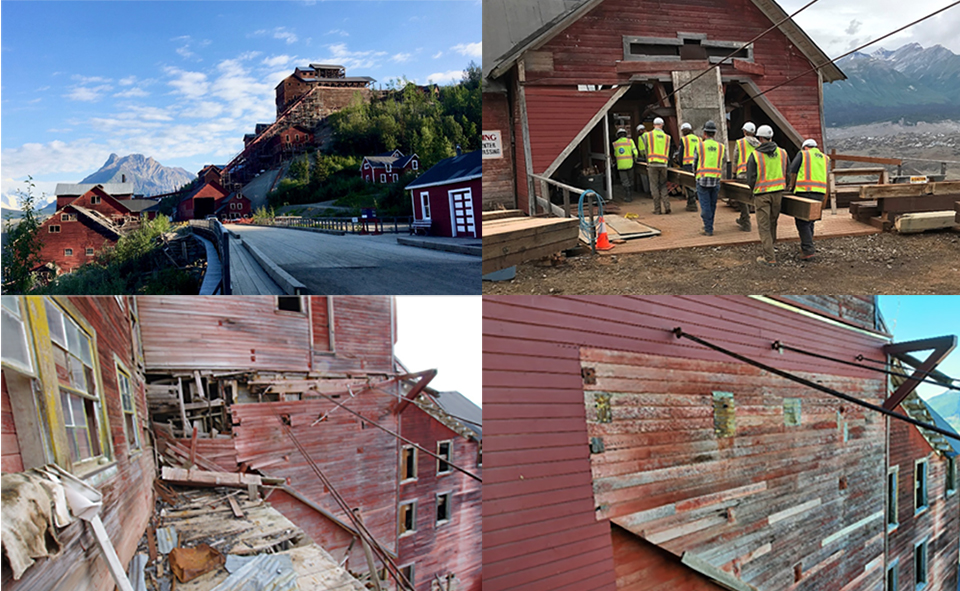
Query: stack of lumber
[510,238]
[883,205]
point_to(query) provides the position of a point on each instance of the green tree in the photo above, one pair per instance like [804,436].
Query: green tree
[21,254]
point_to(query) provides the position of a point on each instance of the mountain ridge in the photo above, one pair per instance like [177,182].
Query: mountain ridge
[148,176]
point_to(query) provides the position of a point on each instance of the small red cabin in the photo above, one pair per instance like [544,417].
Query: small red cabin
[449,195]
[388,167]
[201,202]
[233,207]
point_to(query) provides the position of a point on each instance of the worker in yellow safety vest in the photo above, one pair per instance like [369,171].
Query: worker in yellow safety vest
[710,159]
[625,152]
[689,142]
[767,176]
[808,178]
[741,152]
[656,147]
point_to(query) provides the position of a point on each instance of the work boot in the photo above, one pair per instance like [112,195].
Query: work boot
[629,196]
[744,225]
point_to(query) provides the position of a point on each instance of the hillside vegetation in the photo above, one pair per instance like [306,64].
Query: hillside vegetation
[407,119]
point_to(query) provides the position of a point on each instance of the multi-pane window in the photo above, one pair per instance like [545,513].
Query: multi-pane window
[94,199]
[408,463]
[79,398]
[68,252]
[893,517]
[443,450]
[920,485]
[16,348]
[425,204]
[443,508]
[53,228]
[89,252]
[130,425]
[408,517]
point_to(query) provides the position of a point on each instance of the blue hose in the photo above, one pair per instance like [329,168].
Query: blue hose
[584,223]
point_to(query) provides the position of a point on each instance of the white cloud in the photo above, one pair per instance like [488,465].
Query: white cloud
[88,94]
[185,52]
[446,77]
[128,81]
[438,54]
[281,33]
[43,89]
[401,58]
[135,92]
[340,54]
[340,32]
[189,84]
[469,49]
[90,79]
[203,110]
[277,61]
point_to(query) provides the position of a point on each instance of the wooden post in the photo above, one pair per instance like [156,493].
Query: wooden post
[183,410]
[525,128]
[193,449]
[369,553]
[566,203]
[606,152]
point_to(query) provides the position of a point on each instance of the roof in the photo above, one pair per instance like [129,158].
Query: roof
[463,409]
[226,200]
[81,188]
[98,218]
[140,205]
[327,67]
[513,28]
[459,168]
[199,188]
[941,422]
[388,158]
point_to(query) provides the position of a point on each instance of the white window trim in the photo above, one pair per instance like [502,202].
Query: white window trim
[68,252]
[425,205]
[917,510]
[383,177]
[416,164]
[449,457]
[449,494]
[896,496]
[24,318]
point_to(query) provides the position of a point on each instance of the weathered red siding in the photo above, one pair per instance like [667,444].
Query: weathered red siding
[498,180]
[319,316]
[362,341]
[78,235]
[11,460]
[541,528]
[642,566]
[440,207]
[939,523]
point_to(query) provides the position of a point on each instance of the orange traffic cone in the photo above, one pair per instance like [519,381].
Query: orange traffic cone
[603,243]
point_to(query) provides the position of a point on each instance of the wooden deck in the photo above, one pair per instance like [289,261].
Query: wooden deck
[681,229]
[247,277]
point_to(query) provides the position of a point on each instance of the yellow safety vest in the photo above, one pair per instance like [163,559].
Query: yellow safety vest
[657,144]
[710,161]
[689,141]
[744,149]
[770,176]
[624,150]
[812,176]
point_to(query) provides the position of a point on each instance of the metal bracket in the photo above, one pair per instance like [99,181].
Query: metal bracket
[942,346]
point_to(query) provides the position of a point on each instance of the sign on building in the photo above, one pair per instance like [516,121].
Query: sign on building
[491,145]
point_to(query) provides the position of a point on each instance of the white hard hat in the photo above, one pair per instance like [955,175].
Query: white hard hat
[639,127]
[658,121]
[622,130]
[685,127]
[765,131]
[811,143]
[749,127]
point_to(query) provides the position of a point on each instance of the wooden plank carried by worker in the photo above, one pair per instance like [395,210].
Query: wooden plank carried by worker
[207,478]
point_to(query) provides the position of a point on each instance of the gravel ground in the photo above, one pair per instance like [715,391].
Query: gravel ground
[880,263]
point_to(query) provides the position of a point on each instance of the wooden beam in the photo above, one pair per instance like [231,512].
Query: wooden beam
[866,159]
[487,216]
[521,240]
[525,128]
[183,410]
[235,507]
[914,223]
[208,478]
[425,377]
[749,67]
[942,346]
[368,552]
[193,448]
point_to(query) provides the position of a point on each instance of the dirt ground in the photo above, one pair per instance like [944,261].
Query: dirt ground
[880,263]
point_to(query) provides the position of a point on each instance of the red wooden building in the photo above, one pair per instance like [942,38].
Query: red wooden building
[234,206]
[263,358]
[84,224]
[289,141]
[388,167]
[209,173]
[73,394]
[202,201]
[561,77]
[622,457]
[448,196]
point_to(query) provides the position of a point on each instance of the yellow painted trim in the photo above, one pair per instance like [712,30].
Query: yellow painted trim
[47,372]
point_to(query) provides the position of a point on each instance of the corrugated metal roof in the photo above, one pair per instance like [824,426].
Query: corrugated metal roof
[138,205]
[166,539]
[265,572]
[81,188]
[462,408]
[459,168]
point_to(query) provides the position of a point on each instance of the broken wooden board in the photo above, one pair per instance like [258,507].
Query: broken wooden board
[619,227]
[511,241]
[910,190]
[912,223]
[208,478]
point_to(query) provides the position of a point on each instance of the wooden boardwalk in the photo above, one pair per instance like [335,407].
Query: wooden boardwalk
[247,277]
[681,229]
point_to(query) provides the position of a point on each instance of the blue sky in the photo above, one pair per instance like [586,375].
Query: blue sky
[182,81]
[919,317]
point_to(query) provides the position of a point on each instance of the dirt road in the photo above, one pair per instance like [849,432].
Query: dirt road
[880,263]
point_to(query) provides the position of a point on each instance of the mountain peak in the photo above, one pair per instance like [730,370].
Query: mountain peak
[148,176]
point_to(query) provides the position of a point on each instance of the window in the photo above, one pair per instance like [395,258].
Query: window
[951,477]
[53,229]
[791,412]
[920,565]
[479,454]
[408,517]
[16,347]
[289,304]
[395,177]
[408,463]
[416,165]
[920,486]
[130,424]
[893,576]
[425,204]
[89,252]
[389,167]
[383,178]
[443,508]
[79,394]
[724,414]
[893,497]
[68,252]
[443,450]
[68,217]
[366,165]
[94,199]
[408,573]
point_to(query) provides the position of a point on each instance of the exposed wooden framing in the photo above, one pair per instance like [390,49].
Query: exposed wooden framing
[942,346]
[834,158]
[583,133]
[721,576]
[183,410]
[823,124]
[753,91]
[209,478]
[368,552]
[425,378]
[235,507]
[525,128]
